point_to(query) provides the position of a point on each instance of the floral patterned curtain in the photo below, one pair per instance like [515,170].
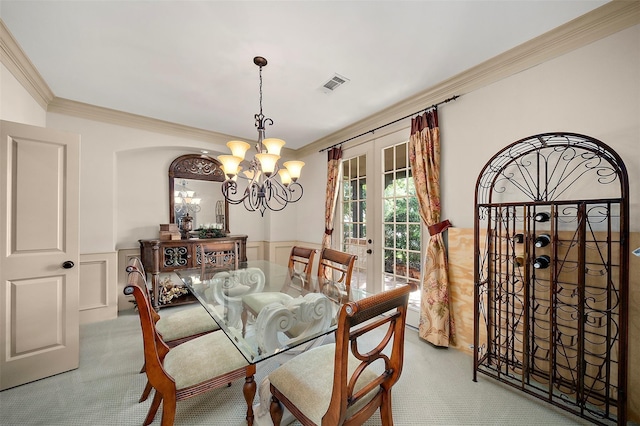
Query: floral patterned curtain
[333,172]
[436,320]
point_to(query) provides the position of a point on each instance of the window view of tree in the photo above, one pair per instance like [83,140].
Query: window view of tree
[354,220]
[401,221]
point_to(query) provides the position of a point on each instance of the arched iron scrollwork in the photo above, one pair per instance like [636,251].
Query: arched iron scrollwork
[551,318]
[268,194]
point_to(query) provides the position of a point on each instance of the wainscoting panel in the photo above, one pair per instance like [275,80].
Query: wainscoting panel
[255,250]
[98,284]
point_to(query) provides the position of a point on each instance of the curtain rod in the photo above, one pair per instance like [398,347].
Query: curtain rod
[434,106]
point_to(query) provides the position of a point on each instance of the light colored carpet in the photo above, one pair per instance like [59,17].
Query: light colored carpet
[436,388]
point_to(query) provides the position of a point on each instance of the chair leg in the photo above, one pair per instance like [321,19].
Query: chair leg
[249,390]
[146,392]
[275,409]
[244,316]
[153,409]
[169,410]
[386,414]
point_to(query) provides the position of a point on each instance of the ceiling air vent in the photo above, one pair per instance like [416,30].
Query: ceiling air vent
[334,82]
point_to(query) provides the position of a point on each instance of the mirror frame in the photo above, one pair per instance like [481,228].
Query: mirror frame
[197,167]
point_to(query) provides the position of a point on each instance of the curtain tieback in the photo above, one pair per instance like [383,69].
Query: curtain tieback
[439,227]
[328,231]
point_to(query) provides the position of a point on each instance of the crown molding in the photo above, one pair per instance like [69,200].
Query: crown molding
[608,19]
[604,21]
[112,116]
[13,57]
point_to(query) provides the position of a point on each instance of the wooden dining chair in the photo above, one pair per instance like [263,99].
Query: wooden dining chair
[300,264]
[213,257]
[340,384]
[175,327]
[336,265]
[336,268]
[189,369]
[301,260]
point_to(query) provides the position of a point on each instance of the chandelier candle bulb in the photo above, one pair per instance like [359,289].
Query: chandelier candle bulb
[238,148]
[295,168]
[285,177]
[273,145]
[230,164]
[267,162]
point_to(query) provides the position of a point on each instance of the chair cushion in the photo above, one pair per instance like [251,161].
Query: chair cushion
[257,301]
[307,381]
[201,359]
[237,290]
[184,323]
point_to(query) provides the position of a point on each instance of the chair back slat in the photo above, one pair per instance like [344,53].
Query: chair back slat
[301,259]
[336,266]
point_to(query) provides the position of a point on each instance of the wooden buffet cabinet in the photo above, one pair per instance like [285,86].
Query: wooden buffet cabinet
[161,256]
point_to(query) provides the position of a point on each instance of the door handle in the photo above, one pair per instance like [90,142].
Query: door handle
[369,251]
[68,264]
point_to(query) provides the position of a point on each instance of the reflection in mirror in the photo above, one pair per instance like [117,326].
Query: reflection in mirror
[195,194]
[200,200]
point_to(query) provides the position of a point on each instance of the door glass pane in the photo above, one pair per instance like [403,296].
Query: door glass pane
[402,226]
[354,218]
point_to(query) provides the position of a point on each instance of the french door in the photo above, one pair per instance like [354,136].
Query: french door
[379,217]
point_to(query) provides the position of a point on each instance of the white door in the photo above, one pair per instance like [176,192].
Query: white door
[39,255]
[380,219]
[354,213]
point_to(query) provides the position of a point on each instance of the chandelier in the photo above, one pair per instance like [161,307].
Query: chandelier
[185,201]
[268,185]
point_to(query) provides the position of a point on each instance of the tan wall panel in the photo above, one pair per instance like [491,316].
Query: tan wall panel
[255,250]
[98,287]
[92,296]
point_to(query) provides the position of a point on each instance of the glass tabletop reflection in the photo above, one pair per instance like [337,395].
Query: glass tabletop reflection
[265,308]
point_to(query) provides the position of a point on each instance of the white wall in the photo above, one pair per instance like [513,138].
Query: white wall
[16,104]
[310,218]
[594,91]
[124,193]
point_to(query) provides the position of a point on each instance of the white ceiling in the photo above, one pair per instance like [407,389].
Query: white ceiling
[191,62]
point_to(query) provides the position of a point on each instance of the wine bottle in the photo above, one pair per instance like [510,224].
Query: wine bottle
[542,240]
[542,217]
[518,238]
[542,262]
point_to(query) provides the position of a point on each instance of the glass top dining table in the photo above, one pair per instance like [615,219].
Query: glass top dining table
[265,308]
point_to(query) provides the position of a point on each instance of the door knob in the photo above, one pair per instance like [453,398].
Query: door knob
[68,264]
[369,251]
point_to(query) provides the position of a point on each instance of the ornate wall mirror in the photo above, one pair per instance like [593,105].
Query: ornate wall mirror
[195,189]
